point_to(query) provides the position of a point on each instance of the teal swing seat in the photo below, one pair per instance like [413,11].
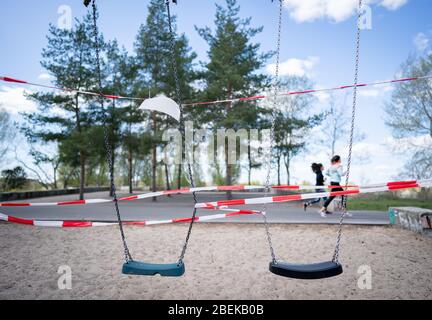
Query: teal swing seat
[151,269]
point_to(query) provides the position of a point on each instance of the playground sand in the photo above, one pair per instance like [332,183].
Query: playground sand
[224,261]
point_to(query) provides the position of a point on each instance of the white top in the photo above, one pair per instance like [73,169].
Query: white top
[335,172]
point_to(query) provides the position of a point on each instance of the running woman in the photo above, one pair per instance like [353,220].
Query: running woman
[318,169]
[335,172]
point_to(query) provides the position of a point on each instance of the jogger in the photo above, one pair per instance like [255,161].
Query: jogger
[317,168]
[335,172]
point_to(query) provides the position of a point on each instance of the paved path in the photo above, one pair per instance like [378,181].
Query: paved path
[179,206]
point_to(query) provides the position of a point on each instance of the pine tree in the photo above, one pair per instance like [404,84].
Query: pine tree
[64,118]
[153,55]
[232,71]
[121,72]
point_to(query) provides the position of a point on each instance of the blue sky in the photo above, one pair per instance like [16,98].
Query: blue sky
[318,39]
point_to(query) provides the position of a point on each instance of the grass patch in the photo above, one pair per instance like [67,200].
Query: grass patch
[383,202]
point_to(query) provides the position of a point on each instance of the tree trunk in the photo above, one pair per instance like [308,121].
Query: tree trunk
[154,157]
[55,179]
[82,175]
[112,171]
[179,176]
[287,167]
[278,170]
[249,165]
[66,181]
[130,163]
[228,172]
[82,158]
[227,165]
[167,181]
[113,147]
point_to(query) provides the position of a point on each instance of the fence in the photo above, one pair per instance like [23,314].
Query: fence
[9,196]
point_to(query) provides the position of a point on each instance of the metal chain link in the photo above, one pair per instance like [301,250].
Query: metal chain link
[128,256]
[351,139]
[182,128]
[272,132]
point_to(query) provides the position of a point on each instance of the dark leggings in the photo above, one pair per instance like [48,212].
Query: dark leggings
[330,199]
[317,199]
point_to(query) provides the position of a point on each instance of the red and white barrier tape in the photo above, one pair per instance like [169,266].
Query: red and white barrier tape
[108,96]
[305,187]
[129,198]
[86,224]
[189,190]
[307,196]
[223,206]
[290,93]
[259,97]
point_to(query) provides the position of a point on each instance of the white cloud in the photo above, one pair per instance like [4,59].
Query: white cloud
[421,41]
[310,10]
[14,101]
[369,93]
[334,10]
[295,67]
[375,92]
[392,4]
[45,76]
[322,96]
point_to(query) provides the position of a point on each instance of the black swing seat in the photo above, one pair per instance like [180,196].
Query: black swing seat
[306,271]
[151,269]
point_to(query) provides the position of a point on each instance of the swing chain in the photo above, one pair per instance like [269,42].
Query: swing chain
[128,256]
[182,127]
[351,138]
[272,131]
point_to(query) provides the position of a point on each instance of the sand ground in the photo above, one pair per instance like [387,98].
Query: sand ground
[224,261]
